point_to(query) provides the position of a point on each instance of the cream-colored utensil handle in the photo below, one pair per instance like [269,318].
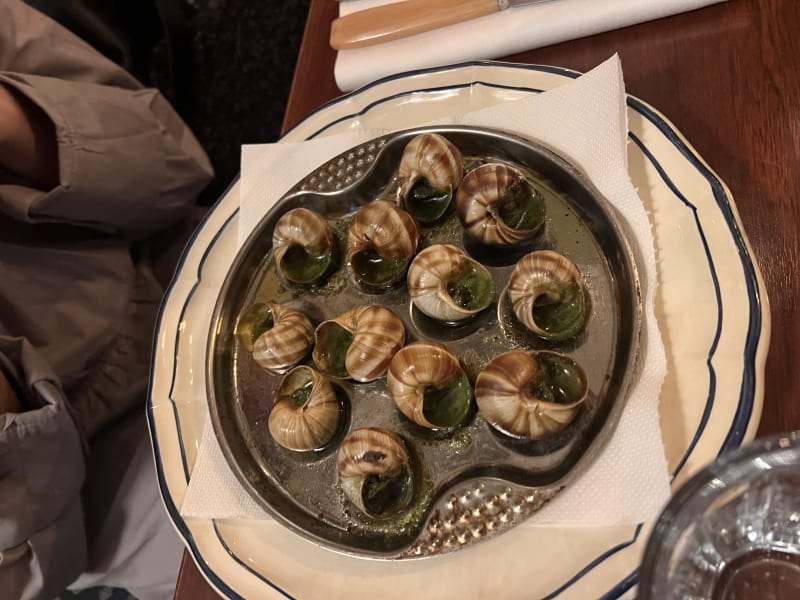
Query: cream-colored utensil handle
[402,19]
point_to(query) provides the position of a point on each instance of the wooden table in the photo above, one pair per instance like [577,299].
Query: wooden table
[728,77]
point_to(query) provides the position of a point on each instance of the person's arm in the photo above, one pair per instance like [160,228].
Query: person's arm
[127,163]
[9,402]
[28,149]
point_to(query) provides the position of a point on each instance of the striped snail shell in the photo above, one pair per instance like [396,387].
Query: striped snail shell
[304,246]
[429,386]
[278,336]
[375,472]
[547,295]
[306,412]
[359,343]
[447,285]
[430,170]
[498,206]
[382,239]
[530,394]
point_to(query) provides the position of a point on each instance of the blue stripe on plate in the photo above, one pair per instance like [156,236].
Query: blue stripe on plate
[744,410]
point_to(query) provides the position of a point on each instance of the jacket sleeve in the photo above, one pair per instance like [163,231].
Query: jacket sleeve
[42,539]
[127,163]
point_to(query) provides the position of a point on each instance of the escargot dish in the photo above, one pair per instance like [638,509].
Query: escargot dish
[430,170]
[304,246]
[306,412]
[375,472]
[498,206]
[530,394]
[381,241]
[429,386]
[358,344]
[546,293]
[277,336]
[447,285]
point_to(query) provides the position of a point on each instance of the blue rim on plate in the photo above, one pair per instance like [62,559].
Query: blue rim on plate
[738,427]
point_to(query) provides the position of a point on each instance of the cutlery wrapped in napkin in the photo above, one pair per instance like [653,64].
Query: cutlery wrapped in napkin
[584,121]
[497,34]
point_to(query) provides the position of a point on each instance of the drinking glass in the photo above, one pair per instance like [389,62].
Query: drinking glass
[732,531]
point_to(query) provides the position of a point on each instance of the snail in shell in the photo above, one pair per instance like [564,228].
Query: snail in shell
[547,295]
[498,206]
[306,413]
[447,285]
[359,343]
[382,239]
[429,386]
[430,170]
[278,336]
[375,472]
[304,247]
[530,394]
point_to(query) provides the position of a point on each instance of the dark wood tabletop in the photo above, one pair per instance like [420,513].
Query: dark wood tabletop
[728,77]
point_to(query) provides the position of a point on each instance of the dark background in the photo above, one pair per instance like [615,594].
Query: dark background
[243,58]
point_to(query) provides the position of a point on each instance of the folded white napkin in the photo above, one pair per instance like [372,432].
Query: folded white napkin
[494,36]
[584,121]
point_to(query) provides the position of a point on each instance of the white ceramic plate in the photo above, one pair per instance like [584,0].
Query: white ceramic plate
[711,307]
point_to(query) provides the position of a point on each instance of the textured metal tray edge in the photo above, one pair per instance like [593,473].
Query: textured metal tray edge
[470,511]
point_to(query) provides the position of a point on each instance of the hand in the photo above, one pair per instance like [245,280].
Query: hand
[28,148]
[8,399]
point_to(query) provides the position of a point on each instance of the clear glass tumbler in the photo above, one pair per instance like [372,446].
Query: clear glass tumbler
[732,531]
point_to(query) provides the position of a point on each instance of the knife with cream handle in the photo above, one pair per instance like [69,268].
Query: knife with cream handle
[409,17]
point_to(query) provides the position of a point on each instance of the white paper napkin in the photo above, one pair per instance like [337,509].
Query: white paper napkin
[585,121]
[501,34]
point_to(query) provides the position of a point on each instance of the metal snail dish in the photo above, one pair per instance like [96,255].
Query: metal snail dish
[431,168]
[359,343]
[530,394]
[429,386]
[375,472]
[405,346]
[547,295]
[306,412]
[447,285]
[277,336]
[498,205]
[381,240]
[304,246]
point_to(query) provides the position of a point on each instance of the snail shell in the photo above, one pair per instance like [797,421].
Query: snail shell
[306,412]
[278,336]
[381,240]
[447,285]
[546,293]
[304,246]
[530,394]
[429,386]
[430,170]
[359,343]
[498,206]
[375,472]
